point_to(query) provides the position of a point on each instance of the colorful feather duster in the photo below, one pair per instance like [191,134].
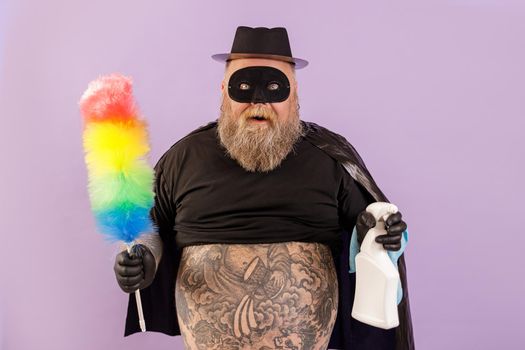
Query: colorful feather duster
[116,144]
[120,181]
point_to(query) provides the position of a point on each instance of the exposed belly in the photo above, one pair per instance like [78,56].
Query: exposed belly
[256,296]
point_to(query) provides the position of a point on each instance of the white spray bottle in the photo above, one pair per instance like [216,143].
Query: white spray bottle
[377,279]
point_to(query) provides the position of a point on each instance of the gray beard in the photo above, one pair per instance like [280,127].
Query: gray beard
[258,147]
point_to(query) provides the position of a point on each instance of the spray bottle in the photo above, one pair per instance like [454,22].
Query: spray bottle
[377,279]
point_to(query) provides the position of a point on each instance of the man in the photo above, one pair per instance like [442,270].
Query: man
[253,214]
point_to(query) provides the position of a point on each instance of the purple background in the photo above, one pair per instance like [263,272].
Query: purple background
[432,94]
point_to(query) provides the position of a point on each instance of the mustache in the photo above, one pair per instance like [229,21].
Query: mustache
[259,111]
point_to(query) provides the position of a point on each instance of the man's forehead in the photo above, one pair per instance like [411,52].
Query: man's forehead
[239,63]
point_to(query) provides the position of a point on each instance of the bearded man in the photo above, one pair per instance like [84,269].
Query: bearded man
[254,213]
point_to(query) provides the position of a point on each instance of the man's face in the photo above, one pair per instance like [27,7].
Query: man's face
[259,145]
[282,110]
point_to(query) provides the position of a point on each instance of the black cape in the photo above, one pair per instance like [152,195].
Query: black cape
[158,300]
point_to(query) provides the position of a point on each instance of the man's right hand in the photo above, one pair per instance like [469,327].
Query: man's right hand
[136,271]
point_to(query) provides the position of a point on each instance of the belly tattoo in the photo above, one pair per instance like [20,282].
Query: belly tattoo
[257,296]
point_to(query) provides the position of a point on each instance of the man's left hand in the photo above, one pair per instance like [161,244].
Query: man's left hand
[395,228]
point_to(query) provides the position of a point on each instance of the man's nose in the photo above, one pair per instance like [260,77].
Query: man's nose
[259,96]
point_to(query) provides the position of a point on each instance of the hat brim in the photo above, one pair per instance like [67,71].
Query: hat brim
[223,57]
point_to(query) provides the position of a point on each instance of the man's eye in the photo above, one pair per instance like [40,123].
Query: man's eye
[244,86]
[273,86]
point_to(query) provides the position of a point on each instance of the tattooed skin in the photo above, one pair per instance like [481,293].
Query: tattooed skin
[256,296]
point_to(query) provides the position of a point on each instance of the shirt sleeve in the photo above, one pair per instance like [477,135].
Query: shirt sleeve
[163,211]
[352,199]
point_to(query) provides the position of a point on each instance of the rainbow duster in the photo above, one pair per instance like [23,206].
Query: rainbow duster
[116,144]
[120,181]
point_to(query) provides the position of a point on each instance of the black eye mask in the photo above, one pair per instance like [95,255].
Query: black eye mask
[258,84]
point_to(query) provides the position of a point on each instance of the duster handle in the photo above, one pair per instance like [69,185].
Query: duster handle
[142,322]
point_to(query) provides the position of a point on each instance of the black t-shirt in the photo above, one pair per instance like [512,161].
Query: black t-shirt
[204,196]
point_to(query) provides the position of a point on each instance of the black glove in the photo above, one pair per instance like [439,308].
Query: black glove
[136,271]
[394,227]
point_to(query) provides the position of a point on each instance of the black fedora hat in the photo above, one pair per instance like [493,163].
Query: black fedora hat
[261,42]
